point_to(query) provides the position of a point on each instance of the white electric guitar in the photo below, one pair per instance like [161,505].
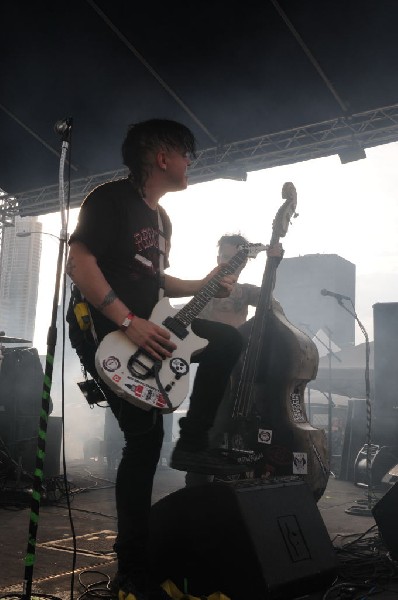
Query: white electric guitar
[135,375]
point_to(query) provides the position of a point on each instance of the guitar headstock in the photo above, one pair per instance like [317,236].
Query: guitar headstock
[282,218]
[254,249]
[238,260]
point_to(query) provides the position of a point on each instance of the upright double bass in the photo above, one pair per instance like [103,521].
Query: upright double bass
[269,415]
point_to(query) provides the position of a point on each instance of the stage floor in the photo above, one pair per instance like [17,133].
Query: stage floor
[94,522]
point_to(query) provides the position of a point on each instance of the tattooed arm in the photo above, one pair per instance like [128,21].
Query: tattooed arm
[84,271]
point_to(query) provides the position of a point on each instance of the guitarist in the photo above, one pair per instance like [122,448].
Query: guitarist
[114,262]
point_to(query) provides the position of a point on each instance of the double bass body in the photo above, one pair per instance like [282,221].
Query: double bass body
[278,422]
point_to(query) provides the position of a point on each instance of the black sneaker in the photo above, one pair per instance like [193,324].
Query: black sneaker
[209,462]
[125,587]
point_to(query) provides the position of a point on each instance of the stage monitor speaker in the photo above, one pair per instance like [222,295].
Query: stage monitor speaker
[247,539]
[385,513]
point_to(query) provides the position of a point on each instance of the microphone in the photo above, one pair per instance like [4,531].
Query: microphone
[339,297]
[63,126]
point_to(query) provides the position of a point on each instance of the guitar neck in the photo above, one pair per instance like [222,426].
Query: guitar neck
[192,309]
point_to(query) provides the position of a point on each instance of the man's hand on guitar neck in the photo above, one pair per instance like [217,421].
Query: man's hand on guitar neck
[227,282]
[275,251]
[150,337]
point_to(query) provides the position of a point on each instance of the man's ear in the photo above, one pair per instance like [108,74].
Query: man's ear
[161,160]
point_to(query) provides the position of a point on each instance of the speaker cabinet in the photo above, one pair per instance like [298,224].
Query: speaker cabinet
[385,513]
[21,389]
[23,448]
[21,385]
[21,382]
[251,539]
[385,319]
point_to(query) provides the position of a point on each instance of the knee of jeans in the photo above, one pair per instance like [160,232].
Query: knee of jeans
[233,342]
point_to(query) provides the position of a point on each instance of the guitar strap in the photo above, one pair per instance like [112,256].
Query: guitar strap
[162,255]
[162,260]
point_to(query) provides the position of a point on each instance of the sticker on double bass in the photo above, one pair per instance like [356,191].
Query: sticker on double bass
[300,463]
[297,410]
[264,436]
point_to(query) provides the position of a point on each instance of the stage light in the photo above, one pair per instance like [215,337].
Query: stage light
[351,153]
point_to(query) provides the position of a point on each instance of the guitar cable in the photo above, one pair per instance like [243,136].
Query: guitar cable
[157,365]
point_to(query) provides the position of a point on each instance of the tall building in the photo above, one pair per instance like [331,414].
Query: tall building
[19,277]
[299,281]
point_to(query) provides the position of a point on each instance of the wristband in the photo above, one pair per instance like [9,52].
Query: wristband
[127,321]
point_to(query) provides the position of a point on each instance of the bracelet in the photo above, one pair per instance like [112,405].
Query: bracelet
[126,322]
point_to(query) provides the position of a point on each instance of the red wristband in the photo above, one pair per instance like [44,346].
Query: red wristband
[126,323]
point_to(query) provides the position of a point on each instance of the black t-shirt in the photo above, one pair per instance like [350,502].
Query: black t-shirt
[122,232]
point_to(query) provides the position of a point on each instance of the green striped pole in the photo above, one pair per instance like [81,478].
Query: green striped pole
[30,557]
[38,479]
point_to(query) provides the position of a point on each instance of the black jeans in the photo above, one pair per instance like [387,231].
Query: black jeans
[216,362]
[143,432]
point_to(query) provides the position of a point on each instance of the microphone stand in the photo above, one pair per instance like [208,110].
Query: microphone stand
[356,510]
[64,129]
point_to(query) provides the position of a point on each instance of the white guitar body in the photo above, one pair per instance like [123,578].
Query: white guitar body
[115,352]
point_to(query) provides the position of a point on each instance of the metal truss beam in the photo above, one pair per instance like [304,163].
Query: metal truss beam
[8,209]
[233,161]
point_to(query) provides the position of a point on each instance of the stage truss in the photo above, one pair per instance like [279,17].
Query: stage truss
[346,136]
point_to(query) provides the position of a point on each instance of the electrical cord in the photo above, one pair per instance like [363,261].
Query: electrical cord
[365,568]
[96,589]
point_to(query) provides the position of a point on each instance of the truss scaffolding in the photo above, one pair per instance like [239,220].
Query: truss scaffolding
[347,136]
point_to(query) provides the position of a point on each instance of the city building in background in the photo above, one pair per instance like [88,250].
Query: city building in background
[19,279]
[299,282]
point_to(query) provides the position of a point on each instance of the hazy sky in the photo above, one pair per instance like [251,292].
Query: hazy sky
[350,210]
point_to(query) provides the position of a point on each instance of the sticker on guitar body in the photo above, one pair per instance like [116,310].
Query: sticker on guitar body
[146,393]
[136,388]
